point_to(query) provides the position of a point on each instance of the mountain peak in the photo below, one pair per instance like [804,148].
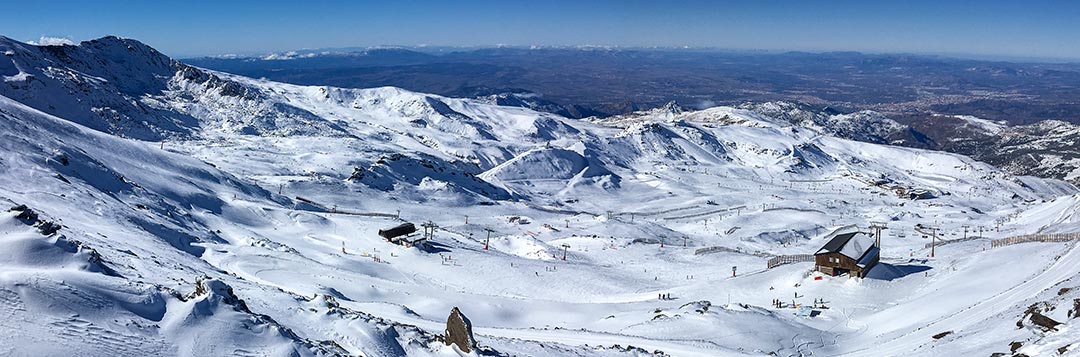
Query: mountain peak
[114,43]
[672,107]
[96,83]
[112,40]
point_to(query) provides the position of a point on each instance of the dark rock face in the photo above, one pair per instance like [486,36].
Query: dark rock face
[459,331]
[1043,321]
[1034,313]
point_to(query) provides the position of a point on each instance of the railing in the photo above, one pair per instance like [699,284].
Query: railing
[941,242]
[654,213]
[718,249]
[770,209]
[338,211]
[710,250]
[561,211]
[1049,238]
[707,213]
[788,259]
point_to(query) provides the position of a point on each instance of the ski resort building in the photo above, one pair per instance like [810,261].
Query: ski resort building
[400,234]
[851,253]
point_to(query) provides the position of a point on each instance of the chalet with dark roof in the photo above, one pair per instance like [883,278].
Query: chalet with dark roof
[400,234]
[852,253]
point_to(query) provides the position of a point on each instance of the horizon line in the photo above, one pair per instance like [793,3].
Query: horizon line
[354,48]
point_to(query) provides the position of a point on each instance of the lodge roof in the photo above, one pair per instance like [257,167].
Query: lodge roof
[854,245]
[400,230]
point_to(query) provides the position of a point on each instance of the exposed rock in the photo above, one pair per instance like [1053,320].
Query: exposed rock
[48,228]
[26,214]
[31,218]
[1043,321]
[698,306]
[1015,346]
[459,331]
[1034,314]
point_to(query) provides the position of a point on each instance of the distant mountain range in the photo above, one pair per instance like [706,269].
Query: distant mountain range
[1042,149]
[1045,149]
[610,81]
[909,100]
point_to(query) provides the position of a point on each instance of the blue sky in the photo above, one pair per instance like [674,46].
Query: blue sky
[1023,29]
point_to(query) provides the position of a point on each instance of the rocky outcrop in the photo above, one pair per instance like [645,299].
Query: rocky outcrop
[459,331]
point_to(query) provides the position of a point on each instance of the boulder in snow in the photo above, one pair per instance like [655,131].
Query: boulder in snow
[459,331]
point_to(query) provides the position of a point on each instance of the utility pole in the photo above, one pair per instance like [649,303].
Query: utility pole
[933,242]
[429,230]
[564,248]
[966,230]
[466,219]
[877,227]
[684,239]
[933,233]
[488,240]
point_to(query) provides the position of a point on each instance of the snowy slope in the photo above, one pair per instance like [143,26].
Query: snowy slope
[96,186]
[199,244]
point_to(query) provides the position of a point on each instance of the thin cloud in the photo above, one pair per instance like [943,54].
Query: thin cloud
[52,41]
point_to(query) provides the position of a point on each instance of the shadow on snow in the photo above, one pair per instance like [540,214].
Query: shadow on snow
[889,272]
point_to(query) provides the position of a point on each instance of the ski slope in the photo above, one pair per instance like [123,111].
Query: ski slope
[191,239]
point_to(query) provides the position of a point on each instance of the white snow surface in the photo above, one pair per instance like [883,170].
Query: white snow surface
[988,126]
[199,244]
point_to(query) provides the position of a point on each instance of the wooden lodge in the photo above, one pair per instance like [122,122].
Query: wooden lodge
[400,234]
[851,253]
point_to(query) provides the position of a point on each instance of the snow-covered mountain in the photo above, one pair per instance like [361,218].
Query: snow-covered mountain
[867,126]
[158,208]
[1043,149]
